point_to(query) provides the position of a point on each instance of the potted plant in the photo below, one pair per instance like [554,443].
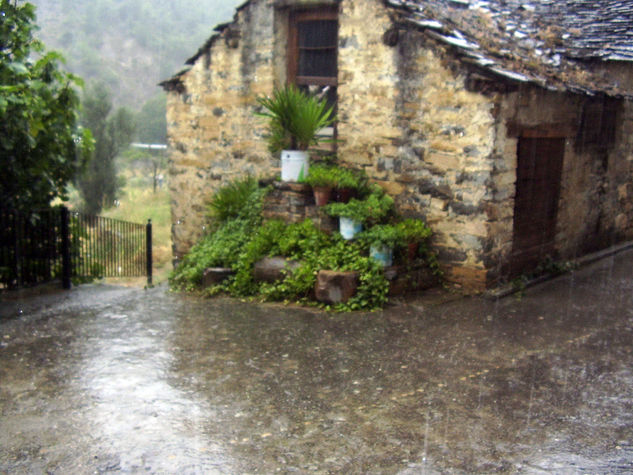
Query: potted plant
[294,120]
[351,216]
[413,231]
[322,179]
[348,183]
[354,213]
[382,240]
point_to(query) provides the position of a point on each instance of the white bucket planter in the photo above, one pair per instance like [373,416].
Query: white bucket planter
[382,254]
[349,228]
[295,165]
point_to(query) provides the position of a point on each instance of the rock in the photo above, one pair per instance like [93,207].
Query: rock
[215,275]
[335,287]
[272,269]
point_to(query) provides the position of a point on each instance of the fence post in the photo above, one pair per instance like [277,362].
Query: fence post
[66,264]
[15,262]
[148,248]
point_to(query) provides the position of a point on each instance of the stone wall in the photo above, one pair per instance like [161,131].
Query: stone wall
[408,120]
[213,135]
[594,209]
[410,116]
[404,116]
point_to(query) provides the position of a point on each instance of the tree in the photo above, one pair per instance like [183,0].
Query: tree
[151,120]
[112,134]
[42,146]
[151,123]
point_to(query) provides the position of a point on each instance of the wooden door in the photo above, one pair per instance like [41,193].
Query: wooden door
[539,167]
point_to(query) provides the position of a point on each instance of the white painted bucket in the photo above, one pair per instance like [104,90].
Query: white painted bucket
[349,228]
[295,165]
[382,254]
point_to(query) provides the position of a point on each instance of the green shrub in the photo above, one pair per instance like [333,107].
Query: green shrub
[353,179]
[241,240]
[238,199]
[219,249]
[322,175]
[414,230]
[375,208]
[382,235]
[296,241]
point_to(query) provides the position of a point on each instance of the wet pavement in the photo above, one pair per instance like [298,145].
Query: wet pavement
[106,379]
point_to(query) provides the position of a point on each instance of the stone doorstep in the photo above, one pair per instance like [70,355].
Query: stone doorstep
[337,287]
[294,202]
[215,275]
[272,269]
[300,188]
[509,289]
[334,287]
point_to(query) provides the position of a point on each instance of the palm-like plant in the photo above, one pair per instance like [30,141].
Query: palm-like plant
[294,118]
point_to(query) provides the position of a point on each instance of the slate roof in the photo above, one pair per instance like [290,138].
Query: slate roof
[548,42]
[551,43]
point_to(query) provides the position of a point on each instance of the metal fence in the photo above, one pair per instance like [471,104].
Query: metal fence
[70,246]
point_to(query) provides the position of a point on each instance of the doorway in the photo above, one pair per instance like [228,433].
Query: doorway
[539,168]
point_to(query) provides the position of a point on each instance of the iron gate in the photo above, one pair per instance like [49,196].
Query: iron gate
[61,244]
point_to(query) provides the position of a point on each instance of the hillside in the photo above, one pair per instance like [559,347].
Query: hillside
[130,45]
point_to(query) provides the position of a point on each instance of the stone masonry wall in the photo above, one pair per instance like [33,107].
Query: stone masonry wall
[212,131]
[409,116]
[404,116]
[408,120]
[594,209]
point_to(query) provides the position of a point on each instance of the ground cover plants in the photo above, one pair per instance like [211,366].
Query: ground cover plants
[239,238]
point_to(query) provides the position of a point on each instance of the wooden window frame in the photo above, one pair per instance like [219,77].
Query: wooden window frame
[313,14]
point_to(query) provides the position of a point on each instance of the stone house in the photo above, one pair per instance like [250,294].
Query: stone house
[506,124]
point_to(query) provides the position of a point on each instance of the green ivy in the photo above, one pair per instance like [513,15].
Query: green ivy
[242,240]
[220,249]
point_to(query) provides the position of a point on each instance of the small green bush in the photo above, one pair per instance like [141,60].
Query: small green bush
[375,208]
[238,199]
[322,176]
[382,235]
[219,249]
[414,230]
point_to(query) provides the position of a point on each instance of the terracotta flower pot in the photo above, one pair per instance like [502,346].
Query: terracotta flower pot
[322,195]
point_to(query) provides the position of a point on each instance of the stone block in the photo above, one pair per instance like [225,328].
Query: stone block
[391,187]
[272,269]
[334,287]
[215,275]
[473,279]
[321,220]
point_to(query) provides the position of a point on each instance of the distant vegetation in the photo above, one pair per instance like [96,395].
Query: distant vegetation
[123,49]
[129,45]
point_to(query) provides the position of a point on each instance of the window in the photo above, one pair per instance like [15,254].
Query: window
[312,51]
[598,123]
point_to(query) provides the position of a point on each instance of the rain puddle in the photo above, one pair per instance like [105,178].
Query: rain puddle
[105,379]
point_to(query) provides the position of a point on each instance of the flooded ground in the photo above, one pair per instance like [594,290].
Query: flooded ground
[105,379]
